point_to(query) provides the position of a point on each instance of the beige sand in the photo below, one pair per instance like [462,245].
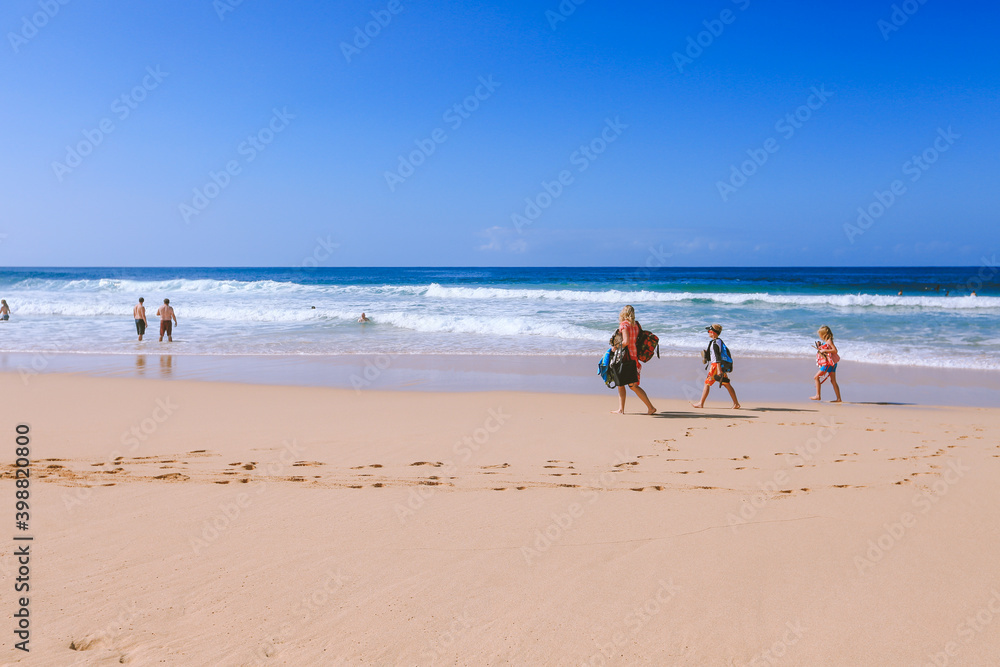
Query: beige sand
[277,525]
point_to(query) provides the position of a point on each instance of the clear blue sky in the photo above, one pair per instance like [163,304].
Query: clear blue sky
[677,132]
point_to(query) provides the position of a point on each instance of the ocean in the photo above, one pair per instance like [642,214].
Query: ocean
[765,312]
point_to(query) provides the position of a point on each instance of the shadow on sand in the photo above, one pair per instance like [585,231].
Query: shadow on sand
[877,403]
[778,410]
[735,414]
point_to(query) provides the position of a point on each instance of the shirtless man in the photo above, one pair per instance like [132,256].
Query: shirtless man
[364,319]
[166,314]
[139,313]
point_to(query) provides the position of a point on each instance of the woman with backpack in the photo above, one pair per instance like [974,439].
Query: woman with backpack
[630,335]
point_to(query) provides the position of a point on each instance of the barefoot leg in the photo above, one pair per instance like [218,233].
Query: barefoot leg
[621,402]
[641,393]
[704,395]
[732,394]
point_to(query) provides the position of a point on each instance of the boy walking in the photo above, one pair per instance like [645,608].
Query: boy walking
[715,372]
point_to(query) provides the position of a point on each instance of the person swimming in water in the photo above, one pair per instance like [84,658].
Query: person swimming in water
[364,319]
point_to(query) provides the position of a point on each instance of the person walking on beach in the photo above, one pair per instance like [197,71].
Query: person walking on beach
[630,335]
[715,372]
[4,310]
[139,313]
[827,359]
[166,313]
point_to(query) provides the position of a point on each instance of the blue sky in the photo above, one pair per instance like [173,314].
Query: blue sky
[645,140]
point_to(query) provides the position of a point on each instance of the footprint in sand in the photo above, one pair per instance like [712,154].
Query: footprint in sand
[88,642]
[173,477]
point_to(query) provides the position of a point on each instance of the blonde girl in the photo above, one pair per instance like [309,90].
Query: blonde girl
[827,358]
[630,335]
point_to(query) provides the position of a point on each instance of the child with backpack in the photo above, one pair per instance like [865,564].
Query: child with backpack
[719,364]
[827,359]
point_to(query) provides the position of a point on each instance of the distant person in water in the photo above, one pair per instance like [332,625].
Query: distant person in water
[899,293]
[364,319]
[715,372]
[139,313]
[827,359]
[629,330]
[167,320]
[4,310]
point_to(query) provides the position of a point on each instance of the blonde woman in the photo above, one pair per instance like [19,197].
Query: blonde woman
[827,358]
[630,335]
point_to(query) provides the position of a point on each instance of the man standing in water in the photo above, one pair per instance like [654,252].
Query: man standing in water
[166,314]
[139,313]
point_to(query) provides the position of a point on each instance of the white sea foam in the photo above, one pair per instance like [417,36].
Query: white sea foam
[644,296]
[438,292]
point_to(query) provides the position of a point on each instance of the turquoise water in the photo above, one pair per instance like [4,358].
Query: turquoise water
[766,312]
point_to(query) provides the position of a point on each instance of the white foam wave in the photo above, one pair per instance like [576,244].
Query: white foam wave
[489,326]
[435,290]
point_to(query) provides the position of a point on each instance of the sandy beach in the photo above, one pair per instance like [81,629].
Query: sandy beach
[211,523]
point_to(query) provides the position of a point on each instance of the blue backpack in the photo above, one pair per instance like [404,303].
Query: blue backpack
[603,364]
[725,358]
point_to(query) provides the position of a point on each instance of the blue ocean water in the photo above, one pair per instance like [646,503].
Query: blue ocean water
[766,312]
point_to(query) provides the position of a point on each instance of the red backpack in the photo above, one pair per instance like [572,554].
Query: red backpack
[646,344]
